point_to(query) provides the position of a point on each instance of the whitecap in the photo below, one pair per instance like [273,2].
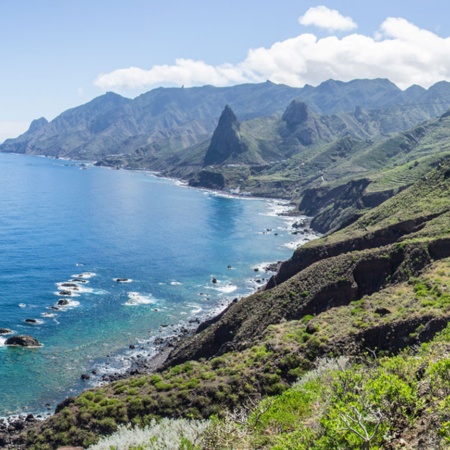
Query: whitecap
[275,209]
[297,243]
[135,298]
[175,283]
[224,288]
[195,307]
[85,275]
[2,342]
[49,315]
[70,305]
[22,305]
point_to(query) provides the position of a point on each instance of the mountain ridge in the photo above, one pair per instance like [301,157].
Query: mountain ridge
[112,124]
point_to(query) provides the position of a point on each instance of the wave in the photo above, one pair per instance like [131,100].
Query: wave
[85,275]
[69,305]
[224,288]
[135,298]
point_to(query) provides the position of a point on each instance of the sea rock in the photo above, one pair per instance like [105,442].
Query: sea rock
[30,321]
[63,302]
[122,280]
[23,341]
[65,292]
[5,331]
[79,280]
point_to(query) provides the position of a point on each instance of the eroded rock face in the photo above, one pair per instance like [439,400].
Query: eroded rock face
[23,341]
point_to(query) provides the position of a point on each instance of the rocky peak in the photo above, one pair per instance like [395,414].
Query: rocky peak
[37,124]
[296,113]
[226,140]
[228,120]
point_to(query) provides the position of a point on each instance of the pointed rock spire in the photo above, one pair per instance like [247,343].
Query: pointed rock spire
[226,140]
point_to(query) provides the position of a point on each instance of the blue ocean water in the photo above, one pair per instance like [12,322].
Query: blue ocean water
[58,222]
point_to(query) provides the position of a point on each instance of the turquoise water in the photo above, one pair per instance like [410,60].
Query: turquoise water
[58,222]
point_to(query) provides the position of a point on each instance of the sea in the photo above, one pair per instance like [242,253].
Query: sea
[95,262]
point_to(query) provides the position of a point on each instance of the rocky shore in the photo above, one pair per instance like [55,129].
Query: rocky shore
[147,356]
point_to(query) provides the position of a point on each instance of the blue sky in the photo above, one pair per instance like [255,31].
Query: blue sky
[57,54]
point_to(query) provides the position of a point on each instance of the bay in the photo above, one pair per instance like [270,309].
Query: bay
[59,222]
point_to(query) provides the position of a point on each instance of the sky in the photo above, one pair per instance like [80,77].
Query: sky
[58,54]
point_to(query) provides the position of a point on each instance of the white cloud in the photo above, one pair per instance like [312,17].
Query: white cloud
[184,72]
[12,129]
[400,51]
[328,19]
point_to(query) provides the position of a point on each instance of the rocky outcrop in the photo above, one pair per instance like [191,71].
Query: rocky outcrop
[23,341]
[226,142]
[209,180]
[305,256]
[302,123]
[337,207]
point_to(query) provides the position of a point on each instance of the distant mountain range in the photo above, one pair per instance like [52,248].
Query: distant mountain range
[336,149]
[169,119]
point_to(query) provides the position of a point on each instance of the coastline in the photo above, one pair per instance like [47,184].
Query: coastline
[150,353]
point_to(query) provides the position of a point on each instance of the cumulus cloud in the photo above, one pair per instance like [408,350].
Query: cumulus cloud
[328,19]
[12,129]
[399,51]
[184,72]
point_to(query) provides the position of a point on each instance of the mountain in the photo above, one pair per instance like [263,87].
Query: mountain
[226,142]
[171,119]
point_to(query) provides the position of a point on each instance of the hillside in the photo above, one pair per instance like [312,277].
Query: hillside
[368,292]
